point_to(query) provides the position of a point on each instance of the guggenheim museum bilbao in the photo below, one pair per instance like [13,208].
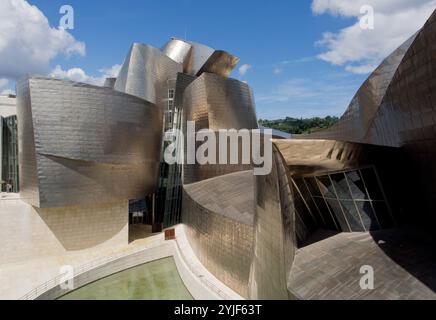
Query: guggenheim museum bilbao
[336,204]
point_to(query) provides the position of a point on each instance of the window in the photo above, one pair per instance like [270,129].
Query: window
[171,93]
[348,201]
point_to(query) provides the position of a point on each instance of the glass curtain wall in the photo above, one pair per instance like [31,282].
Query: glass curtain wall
[347,201]
[9,154]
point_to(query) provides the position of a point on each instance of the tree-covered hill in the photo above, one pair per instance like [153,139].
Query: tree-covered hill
[299,126]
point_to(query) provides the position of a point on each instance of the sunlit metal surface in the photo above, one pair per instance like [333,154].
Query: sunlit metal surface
[146,73]
[274,233]
[215,102]
[362,110]
[218,214]
[198,58]
[200,53]
[178,50]
[220,63]
[84,144]
[110,83]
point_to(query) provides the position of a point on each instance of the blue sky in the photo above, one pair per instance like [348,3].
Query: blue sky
[279,40]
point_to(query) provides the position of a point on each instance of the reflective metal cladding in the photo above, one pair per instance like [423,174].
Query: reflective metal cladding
[146,73]
[82,144]
[198,58]
[85,144]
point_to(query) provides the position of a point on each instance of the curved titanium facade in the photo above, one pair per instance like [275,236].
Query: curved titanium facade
[220,63]
[362,110]
[178,50]
[403,115]
[274,233]
[218,214]
[215,102]
[146,73]
[198,58]
[85,144]
[351,177]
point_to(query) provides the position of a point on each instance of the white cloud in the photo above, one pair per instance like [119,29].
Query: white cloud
[277,70]
[3,83]
[28,43]
[300,89]
[360,51]
[79,75]
[111,72]
[320,95]
[5,87]
[244,69]
[349,8]
[7,92]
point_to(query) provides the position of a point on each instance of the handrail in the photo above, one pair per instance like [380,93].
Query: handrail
[52,283]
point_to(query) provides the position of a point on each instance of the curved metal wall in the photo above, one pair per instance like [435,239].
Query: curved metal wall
[198,58]
[406,114]
[274,233]
[146,72]
[407,118]
[220,63]
[178,50]
[356,120]
[86,144]
[218,214]
[215,102]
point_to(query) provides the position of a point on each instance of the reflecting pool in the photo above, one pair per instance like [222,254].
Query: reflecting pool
[157,280]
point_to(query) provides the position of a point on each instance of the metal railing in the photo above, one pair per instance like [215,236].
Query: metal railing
[61,278]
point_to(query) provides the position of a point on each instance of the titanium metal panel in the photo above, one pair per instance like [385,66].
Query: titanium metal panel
[218,215]
[274,233]
[86,144]
[178,50]
[407,118]
[110,83]
[362,110]
[198,58]
[146,73]
[200,53]
[29,186]
[220,63]
[215,102]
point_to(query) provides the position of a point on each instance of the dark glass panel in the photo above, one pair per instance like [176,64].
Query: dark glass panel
[341,186]
[368,216]
[352,215]
[336,209]
[356,185]
[304,212]
[313,186]
[329,222]
[383,215]
[326,187]
[372,184]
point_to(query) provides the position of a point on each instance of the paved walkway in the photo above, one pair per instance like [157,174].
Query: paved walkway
[30,255]
[404,266]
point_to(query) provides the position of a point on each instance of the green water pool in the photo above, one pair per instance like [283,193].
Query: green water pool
[157,280]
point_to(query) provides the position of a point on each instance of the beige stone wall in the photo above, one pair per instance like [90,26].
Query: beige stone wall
[28,233]
[83,227]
